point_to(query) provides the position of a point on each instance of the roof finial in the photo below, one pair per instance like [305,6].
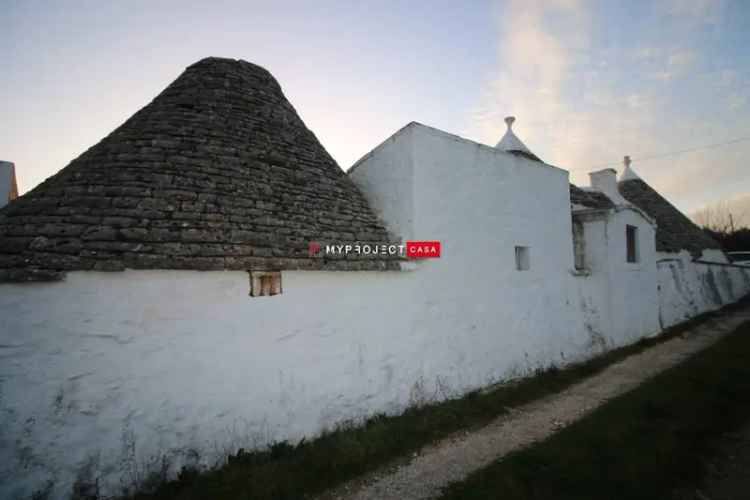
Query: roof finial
[513,144]
[628,173]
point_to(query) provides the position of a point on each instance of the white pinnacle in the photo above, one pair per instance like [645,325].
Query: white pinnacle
[510,142]
[628,174]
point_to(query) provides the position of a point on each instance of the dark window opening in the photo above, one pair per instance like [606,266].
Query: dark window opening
[579,248]
[523,262]
[631,237]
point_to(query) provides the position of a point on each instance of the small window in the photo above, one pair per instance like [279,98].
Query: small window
[265,283]
[522,259]
[579,246]
[631,237]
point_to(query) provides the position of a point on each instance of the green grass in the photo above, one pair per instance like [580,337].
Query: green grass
[288,471]
[641,445]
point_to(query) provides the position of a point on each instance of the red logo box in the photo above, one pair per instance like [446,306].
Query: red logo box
[313,248]
[422,249]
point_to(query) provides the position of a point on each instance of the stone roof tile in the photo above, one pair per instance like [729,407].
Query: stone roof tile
[217,172]
[674,231]
[589,199]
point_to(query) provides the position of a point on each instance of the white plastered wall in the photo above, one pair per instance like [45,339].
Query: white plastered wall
[688,287]
[618,298]
[105,374]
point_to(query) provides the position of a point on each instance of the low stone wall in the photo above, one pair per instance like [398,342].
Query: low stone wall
[688,286]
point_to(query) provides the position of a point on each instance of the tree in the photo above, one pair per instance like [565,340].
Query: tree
[724,225]
[718,218]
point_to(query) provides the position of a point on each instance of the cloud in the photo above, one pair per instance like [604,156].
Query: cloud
[662,75]
[568,113]
[635,101]
[678,64]
[581,115]
[697,11]
[536,63]
[736,101]
[682,59]
[726,77]
[645,53]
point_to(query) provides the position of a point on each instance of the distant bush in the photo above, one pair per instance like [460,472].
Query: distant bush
[732,241]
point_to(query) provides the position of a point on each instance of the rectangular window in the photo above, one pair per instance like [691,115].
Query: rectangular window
[265,283]
[522,259]
[631,237]
[579,248]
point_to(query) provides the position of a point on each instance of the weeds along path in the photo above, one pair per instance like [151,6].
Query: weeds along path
[426,474]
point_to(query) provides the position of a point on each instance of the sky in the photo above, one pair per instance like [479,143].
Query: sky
[589,82]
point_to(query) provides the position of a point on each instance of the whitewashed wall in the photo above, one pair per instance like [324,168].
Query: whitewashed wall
[480,203]
[632,291]
[618,298]
[687,288]
[386,176]
[105,374]
[593,281]
[483,203]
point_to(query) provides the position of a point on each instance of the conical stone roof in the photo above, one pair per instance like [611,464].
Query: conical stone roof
[217,172]
[674,230]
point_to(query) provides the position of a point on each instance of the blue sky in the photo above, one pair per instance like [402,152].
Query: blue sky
[588,81]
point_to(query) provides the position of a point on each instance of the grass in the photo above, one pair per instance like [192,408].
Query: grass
[644,444]
[286,471]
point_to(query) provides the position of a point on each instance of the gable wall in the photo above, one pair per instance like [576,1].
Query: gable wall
[632,290]
[618,298]
[386,175]
[484,202]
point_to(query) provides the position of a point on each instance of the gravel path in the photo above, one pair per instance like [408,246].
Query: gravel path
[425,474]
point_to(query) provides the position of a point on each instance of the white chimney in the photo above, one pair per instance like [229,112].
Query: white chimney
[605,181]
